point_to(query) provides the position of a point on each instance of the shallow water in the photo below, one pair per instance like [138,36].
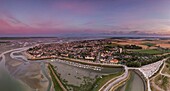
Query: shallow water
[8,83]
[135,83]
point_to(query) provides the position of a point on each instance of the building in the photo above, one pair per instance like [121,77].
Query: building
[114,61]
[120,50]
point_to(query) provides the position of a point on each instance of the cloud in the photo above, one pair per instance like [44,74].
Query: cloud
[10,19]
[135,27]
[48,24]
[4,24]
[11,25]
[75,7]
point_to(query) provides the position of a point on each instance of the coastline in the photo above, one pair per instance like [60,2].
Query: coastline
[28,56]
[144,80]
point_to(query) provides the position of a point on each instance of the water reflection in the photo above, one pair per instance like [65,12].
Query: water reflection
[135,83]
[7,83]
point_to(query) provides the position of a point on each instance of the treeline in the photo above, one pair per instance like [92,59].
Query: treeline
[132,47]
[138,62]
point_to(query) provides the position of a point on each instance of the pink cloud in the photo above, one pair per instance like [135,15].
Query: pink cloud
[48,24]
[10,25]
[4,24]
[8,18]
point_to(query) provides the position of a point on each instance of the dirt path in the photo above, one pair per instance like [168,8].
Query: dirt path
[59,82]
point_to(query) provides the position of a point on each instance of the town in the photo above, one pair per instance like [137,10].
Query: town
[100,51]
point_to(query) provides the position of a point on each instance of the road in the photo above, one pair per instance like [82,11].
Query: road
[58,80]
[160,72]
[106,87]
[111,83]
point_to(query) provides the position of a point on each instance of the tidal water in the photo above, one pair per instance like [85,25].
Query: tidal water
[135,83]
[7,82]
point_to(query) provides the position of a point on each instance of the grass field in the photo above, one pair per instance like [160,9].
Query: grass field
[148,44]
[55,83]
[148,51]
[85,86]
[101,81]
[166,69]
[162,82]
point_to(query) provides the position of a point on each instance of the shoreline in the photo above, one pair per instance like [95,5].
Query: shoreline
[74,60]
[121,83]
[144,81]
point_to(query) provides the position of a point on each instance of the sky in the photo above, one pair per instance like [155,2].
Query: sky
[83,17]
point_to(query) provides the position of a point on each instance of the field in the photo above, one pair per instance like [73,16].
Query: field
[101,81]
[145,44]
[160,82]
[84,79]
[57,86]
[148,51]
[131,42]
[148,44]
[166,69]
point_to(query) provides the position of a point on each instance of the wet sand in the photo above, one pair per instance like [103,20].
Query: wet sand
[29,73]
[0,59]
[8,83]
[76,76]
